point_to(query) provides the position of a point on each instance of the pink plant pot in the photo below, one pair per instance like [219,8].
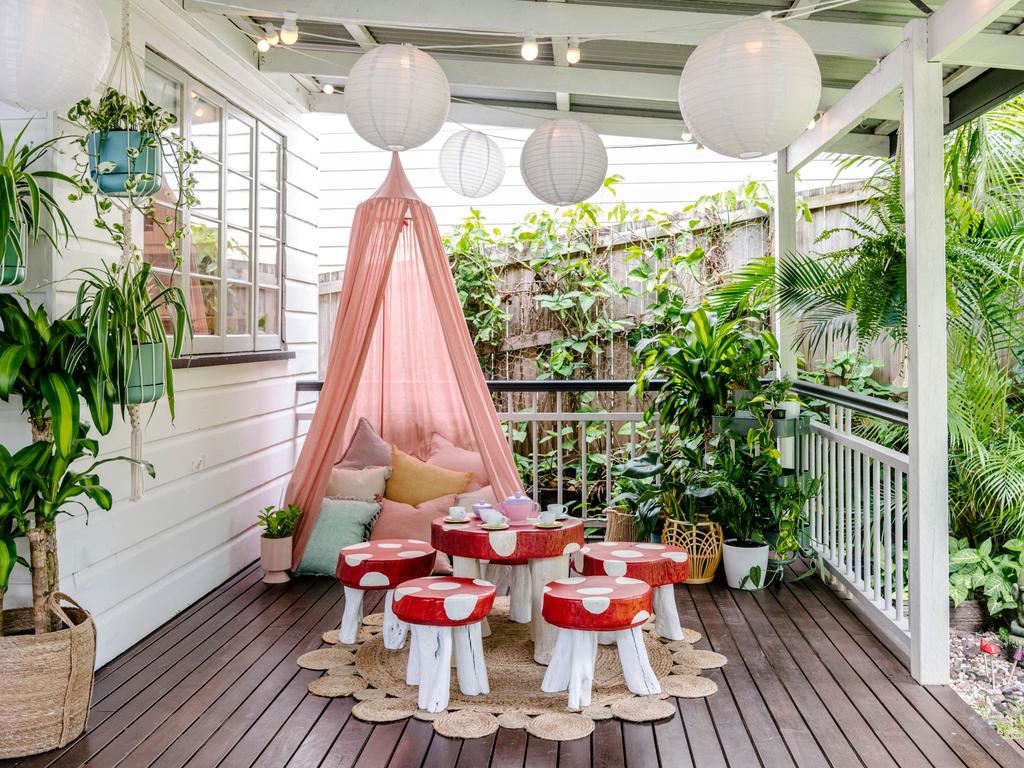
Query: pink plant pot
[276,559]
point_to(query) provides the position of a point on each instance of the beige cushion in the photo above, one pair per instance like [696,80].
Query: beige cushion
[360,484]
[404,521]
[486,493]
[444,454]
[413,481]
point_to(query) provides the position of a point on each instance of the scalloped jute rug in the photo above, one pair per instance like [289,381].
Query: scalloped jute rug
[515,680]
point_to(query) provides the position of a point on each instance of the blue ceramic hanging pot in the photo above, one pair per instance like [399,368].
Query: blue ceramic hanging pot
[12,268]
[113,169]
[146,378]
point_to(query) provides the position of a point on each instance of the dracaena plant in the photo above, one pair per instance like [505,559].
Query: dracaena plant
[49,365]
[115,111]
[28,210]
[39,483]
[124,305]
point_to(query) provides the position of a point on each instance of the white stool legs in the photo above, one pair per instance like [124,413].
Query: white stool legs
[519,602]
[394,628]
[430,662]
[543,570]
[572,666]
[666,615]
[468,568]
[352,616]
[636,667]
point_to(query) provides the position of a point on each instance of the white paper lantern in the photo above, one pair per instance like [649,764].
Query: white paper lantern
[564,162]
[52,52]
[750,89]
[397,97]
[472,164]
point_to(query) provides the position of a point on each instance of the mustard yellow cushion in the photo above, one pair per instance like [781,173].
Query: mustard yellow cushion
[413,481]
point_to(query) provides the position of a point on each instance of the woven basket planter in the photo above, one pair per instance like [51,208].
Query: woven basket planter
[703,542]
[621,525]
[46,679]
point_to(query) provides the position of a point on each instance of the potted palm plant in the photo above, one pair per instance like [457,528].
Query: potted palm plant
[279,527]
[28,210]
[128,315]
[47,652]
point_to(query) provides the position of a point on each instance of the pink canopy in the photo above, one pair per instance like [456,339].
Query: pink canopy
[401,354]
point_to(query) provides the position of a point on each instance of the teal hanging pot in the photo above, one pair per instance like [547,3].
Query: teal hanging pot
[115,171]
[12,266]
[146,379]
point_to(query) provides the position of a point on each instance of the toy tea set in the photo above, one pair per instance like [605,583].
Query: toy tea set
[517,509]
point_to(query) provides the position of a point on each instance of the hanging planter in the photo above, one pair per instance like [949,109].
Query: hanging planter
[125,163]
[146,377]
[702,541]
[12,265]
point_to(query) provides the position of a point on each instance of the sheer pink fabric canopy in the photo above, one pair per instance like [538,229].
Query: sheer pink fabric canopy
[401,355]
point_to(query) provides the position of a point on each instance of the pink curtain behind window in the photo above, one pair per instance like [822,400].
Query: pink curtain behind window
[401,354]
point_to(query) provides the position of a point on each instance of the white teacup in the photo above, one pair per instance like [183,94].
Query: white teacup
[491,516]
[559,510]
[457,513]
[548,516]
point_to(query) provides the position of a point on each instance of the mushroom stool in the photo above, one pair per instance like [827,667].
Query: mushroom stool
[662,566]
[381,564]
[438,608]
[582,607]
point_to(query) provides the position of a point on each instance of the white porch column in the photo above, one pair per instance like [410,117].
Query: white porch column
[784,242]
[926,331]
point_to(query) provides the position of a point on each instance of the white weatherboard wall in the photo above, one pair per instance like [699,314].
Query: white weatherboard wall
[656,174]
[235,440]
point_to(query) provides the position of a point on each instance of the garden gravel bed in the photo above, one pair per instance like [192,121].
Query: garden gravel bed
[989,683]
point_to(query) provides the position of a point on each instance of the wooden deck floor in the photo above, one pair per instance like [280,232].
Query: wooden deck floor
[806,685]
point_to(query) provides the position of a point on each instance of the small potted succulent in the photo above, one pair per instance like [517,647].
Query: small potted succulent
[276,542]
[27,209]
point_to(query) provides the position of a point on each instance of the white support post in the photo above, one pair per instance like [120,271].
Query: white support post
[928,516]
[784,230]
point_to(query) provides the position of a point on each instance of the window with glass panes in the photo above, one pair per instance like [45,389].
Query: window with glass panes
[230,265]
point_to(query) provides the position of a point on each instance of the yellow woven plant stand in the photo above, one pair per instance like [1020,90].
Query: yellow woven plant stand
[703,542]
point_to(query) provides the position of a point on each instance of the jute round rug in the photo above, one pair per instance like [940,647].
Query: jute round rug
[515,680]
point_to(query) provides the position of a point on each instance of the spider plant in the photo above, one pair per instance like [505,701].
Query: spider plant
[123,306]
[27,209]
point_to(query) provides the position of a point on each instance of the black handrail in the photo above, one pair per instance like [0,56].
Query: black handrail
[866,404]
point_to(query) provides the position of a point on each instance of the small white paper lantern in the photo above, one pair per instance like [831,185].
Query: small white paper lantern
[52,52]
[397,97]
[751,89]
[564,162]
[472,164]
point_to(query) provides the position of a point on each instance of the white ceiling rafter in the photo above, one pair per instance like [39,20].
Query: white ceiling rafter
[560,50]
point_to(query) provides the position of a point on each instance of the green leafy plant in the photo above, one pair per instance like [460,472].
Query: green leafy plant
[49,365]
[279,523]
[37,484]
[121,306]
[980,568]
[27,209]
[114,111]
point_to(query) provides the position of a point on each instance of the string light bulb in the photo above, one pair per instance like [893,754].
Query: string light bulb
[328,88]
[685,135]
[290,28]
[262,45]
[272,37]
[813,121]
[572,53]
[530,48]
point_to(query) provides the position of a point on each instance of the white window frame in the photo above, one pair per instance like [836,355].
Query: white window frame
[221,341]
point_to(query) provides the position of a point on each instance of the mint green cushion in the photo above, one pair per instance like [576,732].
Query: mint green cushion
[341,522]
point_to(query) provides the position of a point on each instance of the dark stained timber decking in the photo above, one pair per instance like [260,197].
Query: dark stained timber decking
[807,685]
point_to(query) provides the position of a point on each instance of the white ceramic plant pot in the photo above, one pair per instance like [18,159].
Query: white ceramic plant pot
[276,559]
[740,560]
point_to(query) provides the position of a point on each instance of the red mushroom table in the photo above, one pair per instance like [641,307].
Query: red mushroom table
[546,550]
[660,565]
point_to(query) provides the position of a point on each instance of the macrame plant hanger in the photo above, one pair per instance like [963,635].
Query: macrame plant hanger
[126,78]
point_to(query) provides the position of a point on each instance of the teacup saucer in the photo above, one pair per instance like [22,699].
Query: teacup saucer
[494,526]
[555,524]
[453,521]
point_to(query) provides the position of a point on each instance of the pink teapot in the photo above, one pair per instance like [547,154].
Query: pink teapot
[519,507]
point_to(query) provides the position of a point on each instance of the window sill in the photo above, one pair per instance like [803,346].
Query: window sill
[232,358]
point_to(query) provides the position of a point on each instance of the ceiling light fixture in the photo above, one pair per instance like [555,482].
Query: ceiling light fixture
[572,53]
[290,28]
[529,49]
[262,45]
[272,37]
[328,88]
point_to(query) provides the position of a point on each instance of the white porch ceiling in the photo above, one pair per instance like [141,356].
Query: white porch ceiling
[632,54]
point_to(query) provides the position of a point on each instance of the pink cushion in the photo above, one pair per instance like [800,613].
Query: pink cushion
[404,521]
[444,454]
[367,449]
